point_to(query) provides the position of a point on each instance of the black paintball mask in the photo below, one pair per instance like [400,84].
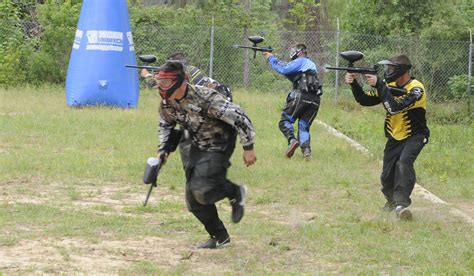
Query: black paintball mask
[295,52]
[170,77]
[393,70]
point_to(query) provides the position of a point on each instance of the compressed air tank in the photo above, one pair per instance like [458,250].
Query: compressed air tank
[102,46]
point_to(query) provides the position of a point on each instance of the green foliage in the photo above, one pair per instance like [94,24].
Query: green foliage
[303,15]
[223,13]
[162,30]
[392,24]
[449,22]
[59,22]
[440,20]
[458,87]
[163,16]
[185,25]
[13,52]
[44,57]
[9,14]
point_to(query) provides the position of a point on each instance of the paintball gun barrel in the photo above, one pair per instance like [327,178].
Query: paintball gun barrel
[351,57]
[146,59]
[255,39]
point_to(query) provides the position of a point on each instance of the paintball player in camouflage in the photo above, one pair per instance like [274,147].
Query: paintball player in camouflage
[196,77]
[213,123]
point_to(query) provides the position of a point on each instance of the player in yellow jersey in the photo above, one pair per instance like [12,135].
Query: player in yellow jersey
[405,128]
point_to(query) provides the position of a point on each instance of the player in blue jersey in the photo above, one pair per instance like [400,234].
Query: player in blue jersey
[302,103]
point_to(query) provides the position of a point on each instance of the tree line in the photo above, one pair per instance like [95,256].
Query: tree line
[36,36]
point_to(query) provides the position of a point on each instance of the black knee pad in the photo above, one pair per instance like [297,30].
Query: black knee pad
[201,189]
[404,166]
[200,197]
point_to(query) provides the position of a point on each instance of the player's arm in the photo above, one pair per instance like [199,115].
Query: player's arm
[368,98]
[394,104]
[285,68]
[235,116]
[167,133]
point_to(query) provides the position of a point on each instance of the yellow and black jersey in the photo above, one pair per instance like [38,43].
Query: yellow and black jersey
[406,113]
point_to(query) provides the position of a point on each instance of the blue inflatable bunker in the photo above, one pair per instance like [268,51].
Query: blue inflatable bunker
[102,47]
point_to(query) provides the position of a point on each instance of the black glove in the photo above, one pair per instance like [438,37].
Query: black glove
[173,141]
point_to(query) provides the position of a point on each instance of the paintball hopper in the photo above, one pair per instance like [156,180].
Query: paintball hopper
[147,58]
[255,39]
[351,57]
[151,170]
[153,166]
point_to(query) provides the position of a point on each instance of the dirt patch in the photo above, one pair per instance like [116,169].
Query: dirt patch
[116,197]
[77,255]
[74,255]
[466,207]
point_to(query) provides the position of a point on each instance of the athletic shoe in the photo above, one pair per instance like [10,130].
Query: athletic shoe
[403,213]
[388,207]
[238,204]
[214,243]
[292,146]
[307,154]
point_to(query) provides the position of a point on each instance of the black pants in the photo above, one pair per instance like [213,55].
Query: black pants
[398,176]
[206,183]
[304,108]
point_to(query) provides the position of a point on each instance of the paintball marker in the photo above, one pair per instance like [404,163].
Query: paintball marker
[152,169]
[351,57]
[255,39]
[146,59]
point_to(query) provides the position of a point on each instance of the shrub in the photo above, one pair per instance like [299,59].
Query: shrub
[458,87]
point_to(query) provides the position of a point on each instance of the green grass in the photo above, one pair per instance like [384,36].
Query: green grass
[75,175]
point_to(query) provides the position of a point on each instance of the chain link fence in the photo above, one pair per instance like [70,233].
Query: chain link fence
[443,66]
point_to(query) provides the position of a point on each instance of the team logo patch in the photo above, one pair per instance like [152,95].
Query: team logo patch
[417,92]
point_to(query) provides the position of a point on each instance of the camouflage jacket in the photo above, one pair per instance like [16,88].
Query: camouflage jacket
[209,117]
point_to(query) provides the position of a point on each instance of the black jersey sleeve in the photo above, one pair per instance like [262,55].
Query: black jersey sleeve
[368,98]
[396,104]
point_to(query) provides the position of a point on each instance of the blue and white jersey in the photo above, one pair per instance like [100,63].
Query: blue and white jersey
[292,68]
